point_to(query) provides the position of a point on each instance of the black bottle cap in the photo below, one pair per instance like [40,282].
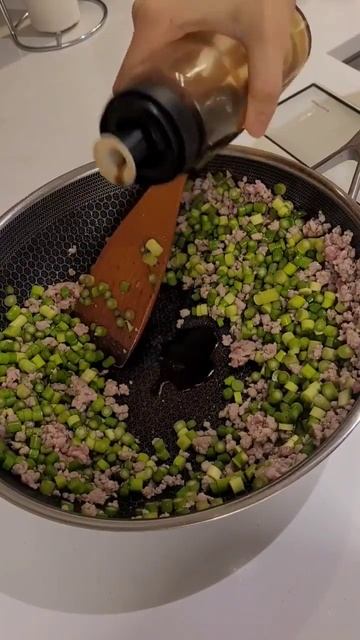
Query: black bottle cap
[163,133]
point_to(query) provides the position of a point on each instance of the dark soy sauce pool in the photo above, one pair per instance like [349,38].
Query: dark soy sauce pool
[186,360]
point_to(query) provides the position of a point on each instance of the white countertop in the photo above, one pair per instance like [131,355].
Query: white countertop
[305,585]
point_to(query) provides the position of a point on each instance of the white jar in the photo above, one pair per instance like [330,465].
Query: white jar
[53,16]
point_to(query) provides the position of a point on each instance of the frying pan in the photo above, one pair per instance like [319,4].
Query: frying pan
[81,210]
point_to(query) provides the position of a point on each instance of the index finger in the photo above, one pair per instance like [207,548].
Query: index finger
[266,67]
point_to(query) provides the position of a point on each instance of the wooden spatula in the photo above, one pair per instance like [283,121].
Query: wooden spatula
[133,283]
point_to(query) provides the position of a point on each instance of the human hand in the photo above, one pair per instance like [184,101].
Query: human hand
[263,27]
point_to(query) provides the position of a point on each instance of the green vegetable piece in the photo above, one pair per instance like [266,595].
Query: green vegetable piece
[308,372]
[279,189]
[266,297]
[329,299]
[48,312]
[237,484]
[344,398]
[47,487]
[310,392]
[344,352]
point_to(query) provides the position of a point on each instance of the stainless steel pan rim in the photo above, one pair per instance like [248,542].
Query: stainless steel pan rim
[17,498]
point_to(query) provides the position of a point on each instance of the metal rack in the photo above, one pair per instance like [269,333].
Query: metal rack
[14,30]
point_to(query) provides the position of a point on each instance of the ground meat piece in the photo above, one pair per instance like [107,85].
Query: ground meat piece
[152,490]
[258,452]
[121,411]
[263,250]
[20,436]
[83,394]
[202,443]
[315,228]
[353,338]
[226,340]
[89,509]
[238,235]
[344,293]
[63,347]
[233,412]
[202,245]
[125,454]
[138,466]
[356,386]
[19,468]
[269,351]
[230,444]
[124,390]
[28,476]
[50,342]
[55,436]
[278,466]
[81,329]
[241,352]
[202,497]
[323,277]
[274,225]
[270,326]
[331,374]
[114,503]
[54,290]
[221,290]
[328,425]
[315,351]
[12,378]
[293,231]
[312,269]
[149,491]
[96,496]
[59,386]
[346,269]
[42,325]
[16,446]
[24,451]
[111,388]
[33,305]
[339,253]
[261,428]
[245,440]
[256,191]
[240,305]
[104,482]
[79,452]
[257,390]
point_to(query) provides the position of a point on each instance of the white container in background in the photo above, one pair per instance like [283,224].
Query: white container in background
[53,16]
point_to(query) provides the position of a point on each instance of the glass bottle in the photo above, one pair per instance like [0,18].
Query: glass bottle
[181,105]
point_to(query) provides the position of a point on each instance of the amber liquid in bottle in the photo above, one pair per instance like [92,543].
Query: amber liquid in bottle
[209,74]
